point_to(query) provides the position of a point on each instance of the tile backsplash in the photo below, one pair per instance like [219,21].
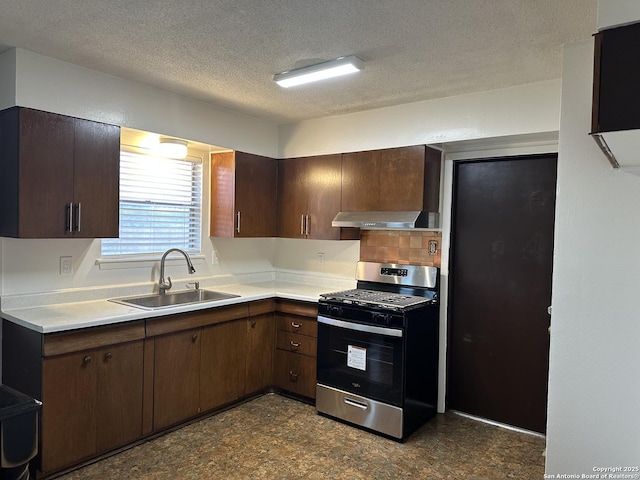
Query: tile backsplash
[400,246]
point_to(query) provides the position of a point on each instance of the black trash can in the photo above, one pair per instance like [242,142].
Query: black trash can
[18,433]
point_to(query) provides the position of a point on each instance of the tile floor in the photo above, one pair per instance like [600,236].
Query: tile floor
[274,437]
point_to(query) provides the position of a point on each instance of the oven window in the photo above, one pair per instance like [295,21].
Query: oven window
[367,364]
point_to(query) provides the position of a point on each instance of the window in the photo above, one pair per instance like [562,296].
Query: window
[160,205]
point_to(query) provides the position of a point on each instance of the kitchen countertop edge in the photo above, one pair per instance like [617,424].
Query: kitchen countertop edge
[77,315]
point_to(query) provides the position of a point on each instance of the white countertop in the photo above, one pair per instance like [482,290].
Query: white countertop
[68,316]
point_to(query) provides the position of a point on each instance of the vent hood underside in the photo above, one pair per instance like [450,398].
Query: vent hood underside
[385,220]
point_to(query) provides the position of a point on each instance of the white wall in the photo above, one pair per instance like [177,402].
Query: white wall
[7,79]
[61,87]
[617,12]
[594,393]
[521,110]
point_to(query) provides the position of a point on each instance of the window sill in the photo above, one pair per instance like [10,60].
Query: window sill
[145,261]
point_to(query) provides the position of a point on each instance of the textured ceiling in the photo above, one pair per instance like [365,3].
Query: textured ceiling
[226,51]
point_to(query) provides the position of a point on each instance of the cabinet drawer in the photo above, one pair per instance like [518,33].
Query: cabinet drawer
[296,373]
[294,307]
[296,343]
[303,326]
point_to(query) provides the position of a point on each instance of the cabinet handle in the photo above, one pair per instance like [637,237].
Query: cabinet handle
[295,325]
[78,216]
[253,324]
[107,356]
[293,376]
[302,224]
[194,337]
[70,217]
[294,345]
[238,221]
[86,360]
[306,227]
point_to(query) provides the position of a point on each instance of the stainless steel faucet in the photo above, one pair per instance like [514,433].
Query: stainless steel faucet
[164,285]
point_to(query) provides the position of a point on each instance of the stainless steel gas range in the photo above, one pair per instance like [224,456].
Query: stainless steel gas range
[378,349]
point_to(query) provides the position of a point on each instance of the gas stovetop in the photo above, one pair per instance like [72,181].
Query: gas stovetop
[363,297]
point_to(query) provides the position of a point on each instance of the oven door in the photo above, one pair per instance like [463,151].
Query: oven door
[362,359]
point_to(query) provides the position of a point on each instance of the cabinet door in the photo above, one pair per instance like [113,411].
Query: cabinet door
[401,179]
[45,173]
[69,390]
[324,187]
[244,189]
[119,395]
[360,181]
[292,197]
[261,331]
[223,363]
[96,175]
[177,378]
[256,199]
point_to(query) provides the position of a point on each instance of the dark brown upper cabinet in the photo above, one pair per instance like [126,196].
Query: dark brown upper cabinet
[309,196]
[616,94]
[59,176]
[243,195]
[393,179]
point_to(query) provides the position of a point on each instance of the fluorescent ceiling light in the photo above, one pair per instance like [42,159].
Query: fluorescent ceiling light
[173,147]
[320,71]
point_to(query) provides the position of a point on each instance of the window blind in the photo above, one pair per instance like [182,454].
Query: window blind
[160,205]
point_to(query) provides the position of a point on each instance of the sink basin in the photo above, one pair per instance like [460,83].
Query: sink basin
[155,301]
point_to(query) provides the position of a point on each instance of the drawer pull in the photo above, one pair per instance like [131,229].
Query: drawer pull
[353,403]
[107,356]
[194,337]
[295,325]
[293,376]
[294,345]
[86,360]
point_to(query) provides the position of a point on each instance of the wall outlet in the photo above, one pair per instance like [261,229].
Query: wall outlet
[215,260]
[66,265]
[320,258]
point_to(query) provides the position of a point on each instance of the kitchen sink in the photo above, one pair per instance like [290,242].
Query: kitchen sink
[186,297]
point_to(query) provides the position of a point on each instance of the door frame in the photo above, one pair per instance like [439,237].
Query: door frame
[509,146]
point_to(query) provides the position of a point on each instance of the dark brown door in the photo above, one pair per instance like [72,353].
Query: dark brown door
[500,288]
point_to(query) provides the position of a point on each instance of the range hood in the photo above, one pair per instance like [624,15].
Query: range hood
[387,220]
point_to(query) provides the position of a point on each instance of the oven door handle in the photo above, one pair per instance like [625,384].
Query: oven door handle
[389,332]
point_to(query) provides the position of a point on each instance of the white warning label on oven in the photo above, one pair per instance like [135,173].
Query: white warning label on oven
[357,357]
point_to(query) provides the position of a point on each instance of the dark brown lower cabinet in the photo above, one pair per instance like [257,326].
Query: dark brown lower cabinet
[222,366]
[261,333]
[295,361]
[92,403]
[176,378]
[105,387]
[227,355]
[90,384]
[296,373]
